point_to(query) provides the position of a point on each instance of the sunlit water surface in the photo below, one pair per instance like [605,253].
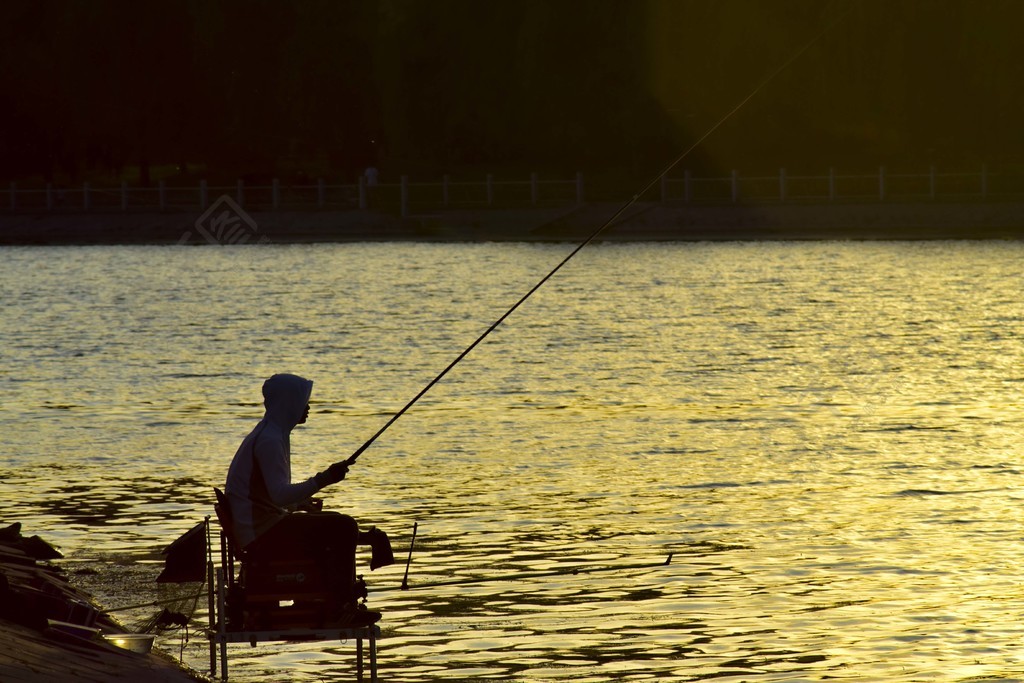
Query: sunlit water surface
[827,436]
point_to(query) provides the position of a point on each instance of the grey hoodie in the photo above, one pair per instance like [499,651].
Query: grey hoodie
[259,486]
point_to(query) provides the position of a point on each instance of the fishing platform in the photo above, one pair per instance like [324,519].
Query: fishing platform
[270,598]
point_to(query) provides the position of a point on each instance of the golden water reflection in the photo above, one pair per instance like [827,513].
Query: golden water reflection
[826,436]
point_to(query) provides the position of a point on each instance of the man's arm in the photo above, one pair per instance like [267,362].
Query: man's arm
[271,458]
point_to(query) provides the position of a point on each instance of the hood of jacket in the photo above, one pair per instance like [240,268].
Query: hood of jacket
[285,398]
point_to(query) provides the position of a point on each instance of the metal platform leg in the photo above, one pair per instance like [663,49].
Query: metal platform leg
[359,659]
[211,608]
[222,624]
[373,654]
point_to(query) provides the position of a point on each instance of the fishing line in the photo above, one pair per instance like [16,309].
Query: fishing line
[604,226]
[154,603]
[574,571]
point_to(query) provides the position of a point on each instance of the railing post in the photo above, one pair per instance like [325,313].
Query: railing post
[579,187]
[49,196]
[362,192]
[931,181]
[124,195]
[162,194]
[275,193]
[881,183]
[321,193]
[533,188]
[445,181]
[85,196]
[405,196]
[735,186]
[984,181]
[782,184]
[203,194]
[687,185]
[831,183]
[240,192]
[490,189]
[14,196]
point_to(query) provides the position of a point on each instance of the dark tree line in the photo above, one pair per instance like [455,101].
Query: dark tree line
[619,87]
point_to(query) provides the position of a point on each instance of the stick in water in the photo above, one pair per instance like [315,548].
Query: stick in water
[405,579]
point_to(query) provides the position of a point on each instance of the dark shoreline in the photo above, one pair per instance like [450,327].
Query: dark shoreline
[643,222]
[52,632]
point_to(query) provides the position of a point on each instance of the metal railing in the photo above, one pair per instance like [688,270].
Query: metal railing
[880,186]
[409,198]
[403,197]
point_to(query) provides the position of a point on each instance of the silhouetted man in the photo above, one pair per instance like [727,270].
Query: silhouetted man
[272,516]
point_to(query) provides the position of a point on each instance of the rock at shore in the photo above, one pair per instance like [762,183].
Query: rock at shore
[51,632]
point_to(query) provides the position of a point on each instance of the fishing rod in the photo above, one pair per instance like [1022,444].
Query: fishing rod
[604,226]
[574,571]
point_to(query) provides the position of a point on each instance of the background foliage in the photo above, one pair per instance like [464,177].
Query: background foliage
[616,87]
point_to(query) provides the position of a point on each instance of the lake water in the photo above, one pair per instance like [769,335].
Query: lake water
[826,435]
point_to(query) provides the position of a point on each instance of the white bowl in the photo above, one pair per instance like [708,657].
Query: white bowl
[140,643]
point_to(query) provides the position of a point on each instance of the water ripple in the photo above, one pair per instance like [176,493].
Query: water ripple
[820,434]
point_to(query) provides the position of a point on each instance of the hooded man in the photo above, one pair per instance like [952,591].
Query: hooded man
[273,516]
[259,486]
